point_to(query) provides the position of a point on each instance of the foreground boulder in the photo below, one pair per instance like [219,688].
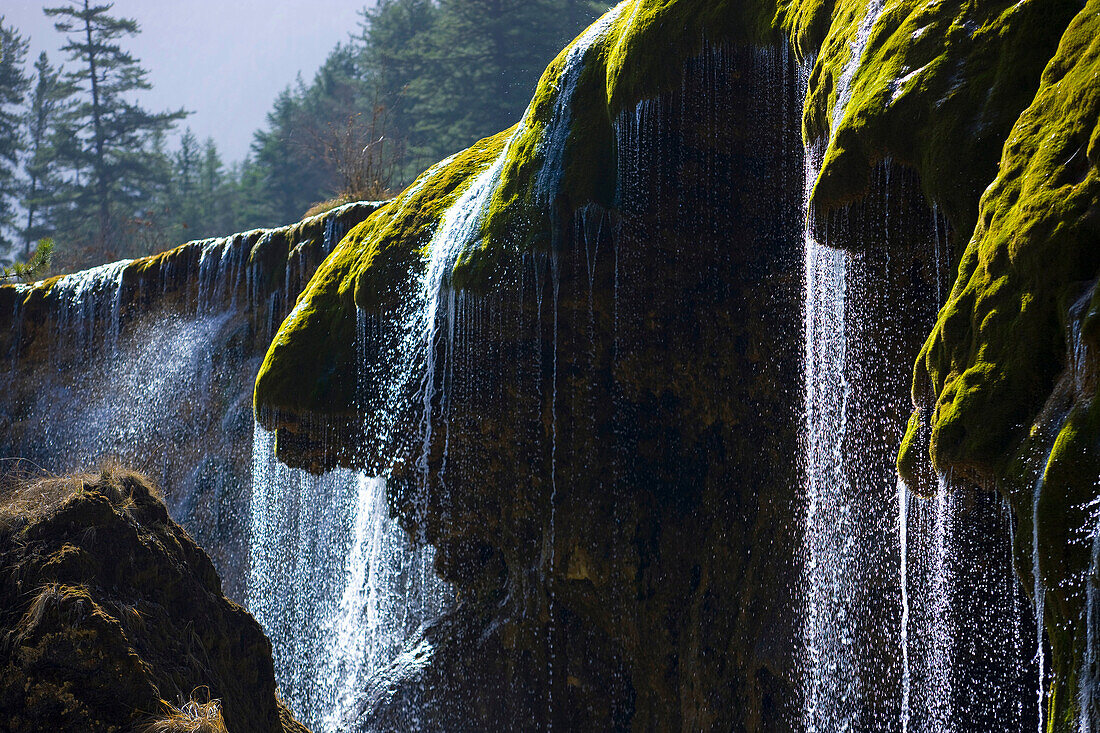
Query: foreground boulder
[110,615]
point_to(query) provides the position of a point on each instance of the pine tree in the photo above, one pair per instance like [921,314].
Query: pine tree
[218,193]
[186,171]
[46,124]
[279,155]
[13,87]
[293,152]
[114,160]
[486,59]
[443,72]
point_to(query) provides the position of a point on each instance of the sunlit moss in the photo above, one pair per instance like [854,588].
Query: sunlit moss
[1003,365]
[997,346]
[939,86]
[309,366]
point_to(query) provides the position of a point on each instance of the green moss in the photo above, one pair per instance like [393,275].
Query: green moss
[654,38]
[309,365]
[996,348]
[832,55]
[806,23]
[1011,364]
[619,70]
[913,459]
[515,221]
[616,75]
[938,89]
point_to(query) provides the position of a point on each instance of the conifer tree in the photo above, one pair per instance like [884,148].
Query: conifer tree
[114,156]
[13,87]
[185,206]
[485,58]
[219,192]
[46,123]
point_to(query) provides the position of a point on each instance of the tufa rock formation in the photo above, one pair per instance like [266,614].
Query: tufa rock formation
[151,362]
[599,430]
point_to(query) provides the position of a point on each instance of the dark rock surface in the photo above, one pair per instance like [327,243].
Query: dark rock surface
[109,612]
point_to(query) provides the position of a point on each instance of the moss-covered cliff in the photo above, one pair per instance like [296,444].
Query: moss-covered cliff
[572,350]
[937,88]
[560,158]
[578,394]
[947,99]
[1006,382]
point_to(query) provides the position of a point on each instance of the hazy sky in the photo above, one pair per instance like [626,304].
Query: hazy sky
[224,60]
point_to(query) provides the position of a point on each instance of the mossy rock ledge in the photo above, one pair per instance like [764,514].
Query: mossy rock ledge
[980,115]
[1006,384]
[82,353]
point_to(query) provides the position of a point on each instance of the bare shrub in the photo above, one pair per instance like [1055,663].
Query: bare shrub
[360,154]
[25,497]
[192,717]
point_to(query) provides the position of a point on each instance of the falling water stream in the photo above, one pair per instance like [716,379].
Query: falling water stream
[830,540]
[341,588]
[958,620]
[1089,683]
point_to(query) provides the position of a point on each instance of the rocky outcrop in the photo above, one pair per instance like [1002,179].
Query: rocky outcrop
[560,419]
[1006,384]
[595,426]
[111,616]
[152,361]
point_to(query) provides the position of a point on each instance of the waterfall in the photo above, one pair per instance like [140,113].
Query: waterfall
[829,631]
[151,363]
[831,684]
[334,582]
[1038,593]
[556,134]
[1089,676]
[939,646]
[928,633]
[856,47]
[90,299]
[903,546]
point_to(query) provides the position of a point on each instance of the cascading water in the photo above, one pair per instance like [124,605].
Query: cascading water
[151,363]
[951,654]
[928,632]
[828,626]
[1038,597]
[887,644]
[1088,688]
[334,582]
[91,299]
[831,688]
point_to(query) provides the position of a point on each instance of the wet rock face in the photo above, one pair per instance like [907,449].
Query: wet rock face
[603,450]
[108,611]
